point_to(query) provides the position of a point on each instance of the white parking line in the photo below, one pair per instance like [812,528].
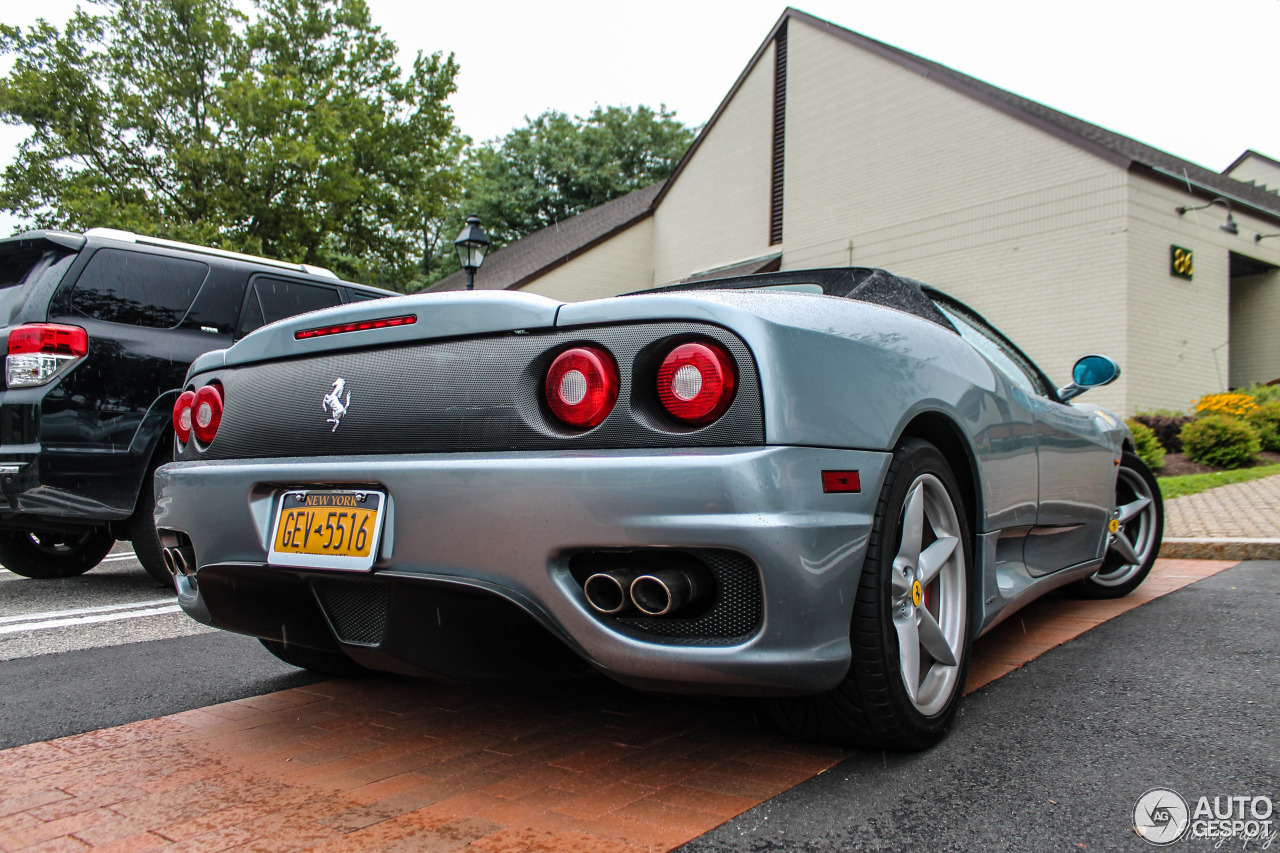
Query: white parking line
[85,616]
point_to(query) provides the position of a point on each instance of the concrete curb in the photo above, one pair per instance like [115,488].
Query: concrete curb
[1220,549]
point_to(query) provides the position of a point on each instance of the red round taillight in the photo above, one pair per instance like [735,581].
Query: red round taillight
[696,382]
[182,415]
[206,412]
[582,386]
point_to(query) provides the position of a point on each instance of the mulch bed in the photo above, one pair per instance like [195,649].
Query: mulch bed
[1177,464]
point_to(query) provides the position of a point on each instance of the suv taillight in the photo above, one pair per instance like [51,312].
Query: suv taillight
[40,352]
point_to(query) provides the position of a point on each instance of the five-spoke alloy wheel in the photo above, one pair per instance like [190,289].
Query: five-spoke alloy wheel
[911,619]
[1133,537]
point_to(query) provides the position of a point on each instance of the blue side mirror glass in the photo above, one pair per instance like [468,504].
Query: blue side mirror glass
[1094,370]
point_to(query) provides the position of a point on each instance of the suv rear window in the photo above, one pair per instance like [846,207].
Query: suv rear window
[272,299]
[137,288]
[21,266]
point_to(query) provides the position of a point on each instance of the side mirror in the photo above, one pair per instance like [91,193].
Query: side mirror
[1092,371]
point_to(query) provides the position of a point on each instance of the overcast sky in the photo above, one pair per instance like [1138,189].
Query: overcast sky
[1197,78]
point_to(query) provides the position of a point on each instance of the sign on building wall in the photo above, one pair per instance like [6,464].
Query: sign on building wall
[1181,262]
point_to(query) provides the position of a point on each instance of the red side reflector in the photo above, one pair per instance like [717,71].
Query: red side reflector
[49,338]
[841,481]
[363,325]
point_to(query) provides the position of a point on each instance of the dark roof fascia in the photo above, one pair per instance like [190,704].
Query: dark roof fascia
[1201,190]
[583,249]
[724,104]
[1245,156]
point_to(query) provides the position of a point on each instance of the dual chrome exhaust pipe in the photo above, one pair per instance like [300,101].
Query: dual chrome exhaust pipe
[180,560]
[660,593]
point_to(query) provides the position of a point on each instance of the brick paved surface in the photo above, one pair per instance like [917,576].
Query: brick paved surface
[1237,522]
[1242,510]
[395,764]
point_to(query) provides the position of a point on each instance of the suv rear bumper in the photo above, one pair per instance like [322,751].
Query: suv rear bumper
[58,491]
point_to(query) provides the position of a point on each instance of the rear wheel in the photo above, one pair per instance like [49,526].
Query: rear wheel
[910,630]
[325,663]
[53,555]
[1134,543]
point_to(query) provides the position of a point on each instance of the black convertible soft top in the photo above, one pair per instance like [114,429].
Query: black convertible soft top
[864,284]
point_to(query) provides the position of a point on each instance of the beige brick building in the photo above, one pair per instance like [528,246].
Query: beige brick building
[833,150]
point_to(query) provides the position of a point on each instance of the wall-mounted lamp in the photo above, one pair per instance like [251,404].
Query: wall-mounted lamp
[1260,237]
[1229,226]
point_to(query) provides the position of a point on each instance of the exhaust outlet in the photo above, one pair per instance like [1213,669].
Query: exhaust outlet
[664,592]
[183,559]
[167,555]
[609,592]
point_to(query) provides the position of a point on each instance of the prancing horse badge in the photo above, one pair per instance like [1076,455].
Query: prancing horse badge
[334,404]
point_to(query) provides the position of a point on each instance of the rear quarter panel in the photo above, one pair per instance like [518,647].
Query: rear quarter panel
[839,373]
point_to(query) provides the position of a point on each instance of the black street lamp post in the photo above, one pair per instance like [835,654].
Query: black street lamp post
[471,244]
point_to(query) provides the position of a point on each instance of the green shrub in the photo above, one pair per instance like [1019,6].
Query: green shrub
[1220,441]
[1263,393]
[1167,425]
[1146,445]
[1266,420]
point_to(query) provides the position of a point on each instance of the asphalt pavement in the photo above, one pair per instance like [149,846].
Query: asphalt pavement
[1181,693]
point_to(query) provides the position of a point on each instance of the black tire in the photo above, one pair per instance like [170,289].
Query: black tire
[53,555]
[142,529]
[871,707]
[325,663]
[1120,574]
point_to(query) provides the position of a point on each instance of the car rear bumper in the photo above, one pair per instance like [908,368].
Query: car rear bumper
[503,527]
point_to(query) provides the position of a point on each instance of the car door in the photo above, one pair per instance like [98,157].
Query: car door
[1074,460]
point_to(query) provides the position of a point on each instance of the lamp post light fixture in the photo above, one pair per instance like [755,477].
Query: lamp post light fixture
[471,244]
[1229,226]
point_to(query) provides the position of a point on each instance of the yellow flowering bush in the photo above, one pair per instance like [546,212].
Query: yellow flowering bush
[1227,405]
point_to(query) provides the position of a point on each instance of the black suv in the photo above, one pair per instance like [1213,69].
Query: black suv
[100,330]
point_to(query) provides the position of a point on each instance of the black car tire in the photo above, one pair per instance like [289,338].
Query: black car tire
[325,663]
[143,534]
[871,707]
[53,555]
[1142,531]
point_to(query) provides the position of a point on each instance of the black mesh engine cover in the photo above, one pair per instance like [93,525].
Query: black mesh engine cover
[467,394]
[736,613]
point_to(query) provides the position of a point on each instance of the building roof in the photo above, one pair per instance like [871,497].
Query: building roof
[1119,149]
[536,254]
[526,259]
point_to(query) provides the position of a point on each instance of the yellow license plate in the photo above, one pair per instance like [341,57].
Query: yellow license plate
[327,529]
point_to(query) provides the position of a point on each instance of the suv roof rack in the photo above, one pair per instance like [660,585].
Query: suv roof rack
[130,237]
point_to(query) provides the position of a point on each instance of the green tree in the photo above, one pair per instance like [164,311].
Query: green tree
[291,132]
[555,166]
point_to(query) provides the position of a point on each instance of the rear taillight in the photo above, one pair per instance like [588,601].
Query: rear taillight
[40,352]
[582,386]
[206,413]
[182,415]
[696,383]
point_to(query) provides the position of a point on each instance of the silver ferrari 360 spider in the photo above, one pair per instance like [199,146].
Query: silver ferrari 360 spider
[817,487]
